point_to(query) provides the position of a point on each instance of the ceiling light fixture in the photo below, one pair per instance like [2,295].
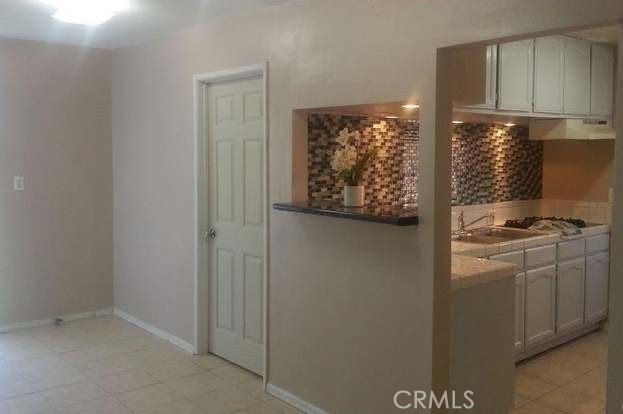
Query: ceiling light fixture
[457,122]
[391,117]
[86,12]
[411,106]
[509,124]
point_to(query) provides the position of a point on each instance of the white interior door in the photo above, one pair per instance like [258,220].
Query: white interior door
[236,217]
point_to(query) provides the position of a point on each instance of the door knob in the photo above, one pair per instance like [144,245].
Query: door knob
[209,234]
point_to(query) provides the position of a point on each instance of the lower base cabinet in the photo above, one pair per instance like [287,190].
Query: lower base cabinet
[570,295]
[540,305]
[520,309]
[597,276]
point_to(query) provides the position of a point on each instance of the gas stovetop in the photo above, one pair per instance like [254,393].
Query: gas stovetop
[527,222]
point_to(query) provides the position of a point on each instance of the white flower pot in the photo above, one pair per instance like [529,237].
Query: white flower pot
[353,196]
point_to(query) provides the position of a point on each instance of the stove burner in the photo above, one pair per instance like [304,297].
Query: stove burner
[527,222]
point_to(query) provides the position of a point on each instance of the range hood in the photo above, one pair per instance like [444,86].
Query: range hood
[558,129]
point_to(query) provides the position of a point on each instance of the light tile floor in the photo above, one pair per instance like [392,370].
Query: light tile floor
[570,379]
[108,366]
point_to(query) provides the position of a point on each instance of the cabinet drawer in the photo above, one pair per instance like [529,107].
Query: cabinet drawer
[598,243]
[540,255]
[570,249]
[512,257]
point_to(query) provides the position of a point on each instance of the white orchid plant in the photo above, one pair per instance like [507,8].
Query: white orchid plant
[350,161]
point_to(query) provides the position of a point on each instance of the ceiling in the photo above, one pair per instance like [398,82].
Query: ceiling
[147,19]
[609,35]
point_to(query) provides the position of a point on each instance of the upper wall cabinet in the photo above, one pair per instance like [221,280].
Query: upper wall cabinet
[602,79]
[548,74]
[515,75]
[548,77]
[577,77]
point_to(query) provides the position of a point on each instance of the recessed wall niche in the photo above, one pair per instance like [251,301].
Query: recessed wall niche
[392,177]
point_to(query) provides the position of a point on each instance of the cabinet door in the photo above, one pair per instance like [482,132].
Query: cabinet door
[540,305]
[515,74]
[577,77]
[597,277]
[520,312]
[548,74]
[491,89]
[602,79]
[570,303]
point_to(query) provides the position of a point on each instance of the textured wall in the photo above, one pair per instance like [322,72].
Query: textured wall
[55,130]
[493,163]
[391,179]
[330,280]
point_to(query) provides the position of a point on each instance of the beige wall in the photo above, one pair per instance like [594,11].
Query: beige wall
[351,304]
[578,170]
[56,238]
[615,332]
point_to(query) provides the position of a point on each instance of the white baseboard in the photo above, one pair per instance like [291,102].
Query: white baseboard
[186,346]
[50,321]
[293,400]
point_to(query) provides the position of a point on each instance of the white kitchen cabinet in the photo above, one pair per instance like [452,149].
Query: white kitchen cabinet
[520,312]
[602,79]
[577,77]
[548,74]
[540,305]
[570,303]
[597,280]
[515,75]
[491,85]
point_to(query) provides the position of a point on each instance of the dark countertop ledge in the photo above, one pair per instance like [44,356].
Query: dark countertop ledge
[394,215]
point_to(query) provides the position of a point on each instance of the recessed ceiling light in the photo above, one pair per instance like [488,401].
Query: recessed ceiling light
[457,122]
[86,12]
[391,117]
[411,106]
[509,124]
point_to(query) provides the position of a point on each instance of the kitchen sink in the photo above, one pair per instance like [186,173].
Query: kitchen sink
[492,235]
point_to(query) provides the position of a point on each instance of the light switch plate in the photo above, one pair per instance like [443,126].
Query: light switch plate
[611,195]
[18,183]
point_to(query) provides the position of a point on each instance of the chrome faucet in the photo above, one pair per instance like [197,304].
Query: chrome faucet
[462,227]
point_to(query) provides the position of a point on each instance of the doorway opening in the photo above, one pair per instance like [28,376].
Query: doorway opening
[531,127]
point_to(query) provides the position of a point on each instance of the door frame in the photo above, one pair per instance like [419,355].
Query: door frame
[201,83]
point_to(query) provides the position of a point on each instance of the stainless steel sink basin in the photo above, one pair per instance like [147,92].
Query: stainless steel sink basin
[492,235]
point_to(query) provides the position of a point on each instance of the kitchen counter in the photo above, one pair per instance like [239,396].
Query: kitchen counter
[471,268]
[481,250]
[468,271]
[385,214]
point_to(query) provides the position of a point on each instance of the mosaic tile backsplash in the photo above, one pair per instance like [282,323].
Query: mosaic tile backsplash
[392,177]
[490,163]
[493,163]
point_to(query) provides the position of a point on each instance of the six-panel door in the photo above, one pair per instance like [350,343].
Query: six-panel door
[236,214]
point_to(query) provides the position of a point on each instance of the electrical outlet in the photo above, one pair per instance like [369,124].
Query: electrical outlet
[18,183]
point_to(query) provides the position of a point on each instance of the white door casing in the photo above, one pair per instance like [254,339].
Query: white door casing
[236,218]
